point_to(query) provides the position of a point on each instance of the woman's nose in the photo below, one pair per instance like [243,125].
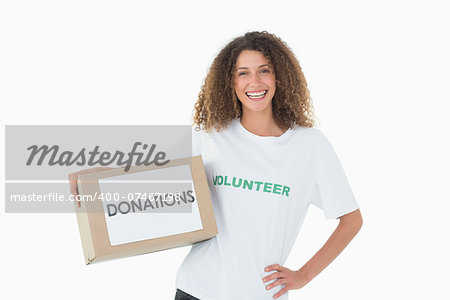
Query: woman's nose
[255,79]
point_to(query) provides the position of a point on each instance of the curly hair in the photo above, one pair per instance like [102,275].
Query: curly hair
[218,104]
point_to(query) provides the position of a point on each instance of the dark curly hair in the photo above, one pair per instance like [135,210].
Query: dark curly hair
[218,104]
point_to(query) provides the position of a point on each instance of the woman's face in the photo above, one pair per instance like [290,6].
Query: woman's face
[254,82]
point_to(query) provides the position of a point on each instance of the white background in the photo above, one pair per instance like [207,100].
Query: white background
[378,72]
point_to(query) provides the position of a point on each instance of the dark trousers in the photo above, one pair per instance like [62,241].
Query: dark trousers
[180,295]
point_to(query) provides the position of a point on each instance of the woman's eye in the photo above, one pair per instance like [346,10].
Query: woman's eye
[242,73]
[265,71]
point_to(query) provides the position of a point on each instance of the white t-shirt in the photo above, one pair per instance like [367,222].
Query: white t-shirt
[261,188]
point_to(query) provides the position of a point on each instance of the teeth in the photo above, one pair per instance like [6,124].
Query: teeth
[256,94]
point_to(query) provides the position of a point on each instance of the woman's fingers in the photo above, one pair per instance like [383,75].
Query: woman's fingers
[275,283]
[284,290]
[272,276]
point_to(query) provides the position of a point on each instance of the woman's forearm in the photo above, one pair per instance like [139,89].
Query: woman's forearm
[348,227]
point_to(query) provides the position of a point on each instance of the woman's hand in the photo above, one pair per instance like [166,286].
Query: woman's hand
[349,225]
[292,280]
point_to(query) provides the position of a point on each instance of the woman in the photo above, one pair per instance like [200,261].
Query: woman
[265,164]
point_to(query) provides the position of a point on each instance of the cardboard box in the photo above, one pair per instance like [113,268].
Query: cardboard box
[147,209]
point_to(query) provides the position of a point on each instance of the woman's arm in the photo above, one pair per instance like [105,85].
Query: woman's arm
[348,227]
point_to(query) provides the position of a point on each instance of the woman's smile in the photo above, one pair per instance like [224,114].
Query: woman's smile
[256,95]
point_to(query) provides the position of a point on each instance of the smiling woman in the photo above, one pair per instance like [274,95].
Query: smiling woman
[254,63]
[266,165]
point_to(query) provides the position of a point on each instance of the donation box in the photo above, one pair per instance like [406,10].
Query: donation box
[144,209]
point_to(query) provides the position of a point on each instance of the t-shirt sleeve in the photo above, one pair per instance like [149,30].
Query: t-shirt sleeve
[331,191]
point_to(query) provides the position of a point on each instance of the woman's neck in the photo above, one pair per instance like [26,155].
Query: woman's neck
[261,124]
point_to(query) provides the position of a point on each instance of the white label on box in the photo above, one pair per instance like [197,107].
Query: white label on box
[139,206]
